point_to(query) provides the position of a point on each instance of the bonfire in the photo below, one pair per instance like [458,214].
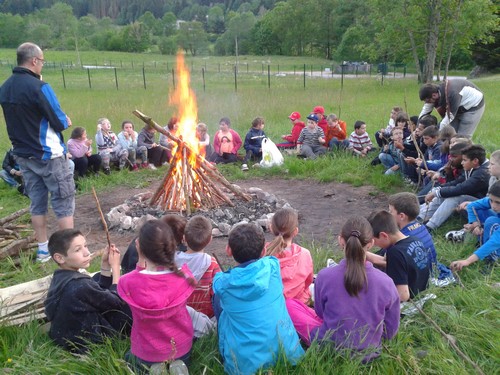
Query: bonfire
[191,181]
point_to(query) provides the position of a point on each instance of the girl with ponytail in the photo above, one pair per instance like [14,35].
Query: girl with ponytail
[296,263]
[355,305]
[157,292]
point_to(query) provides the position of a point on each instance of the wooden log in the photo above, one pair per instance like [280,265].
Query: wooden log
[13,216]
[16,247]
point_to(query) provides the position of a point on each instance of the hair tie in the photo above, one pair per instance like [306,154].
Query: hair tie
[281,234]
[355,233]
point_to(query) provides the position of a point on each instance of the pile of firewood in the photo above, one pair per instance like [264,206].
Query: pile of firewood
[15,237]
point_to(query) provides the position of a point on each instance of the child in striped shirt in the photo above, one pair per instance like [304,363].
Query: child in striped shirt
[359,140]
[311,139]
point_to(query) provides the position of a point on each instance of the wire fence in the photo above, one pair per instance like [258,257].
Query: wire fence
[134,75]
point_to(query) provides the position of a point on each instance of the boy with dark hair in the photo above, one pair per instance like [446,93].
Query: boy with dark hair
[359,140]
[432,154]
[472,184]
[11,173]
[254,327]
[81,309]
[489,229]
[253,142]
[311,140]
[198,234]
[406,259]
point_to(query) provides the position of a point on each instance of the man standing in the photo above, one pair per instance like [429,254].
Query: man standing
[458,101]
[34,123]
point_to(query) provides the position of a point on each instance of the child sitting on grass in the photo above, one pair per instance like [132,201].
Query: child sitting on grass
[157,293]
[488,230]
[206,148]
[253,142]
[83,310]
[80,148]
[359,140]
[391,152]
[406,259]
[311,140]
[227,142]
[295,261]
[128,141]
[291,139]
[355,305]
[108,147]
[336,133]
[254,327]
[198,234]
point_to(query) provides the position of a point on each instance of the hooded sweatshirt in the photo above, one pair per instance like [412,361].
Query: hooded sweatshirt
[81,309]
[254,326]
[162,328]
[296,272]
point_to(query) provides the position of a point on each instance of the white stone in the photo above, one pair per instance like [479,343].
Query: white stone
[126,222]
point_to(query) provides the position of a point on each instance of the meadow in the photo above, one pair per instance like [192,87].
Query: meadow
[468,313]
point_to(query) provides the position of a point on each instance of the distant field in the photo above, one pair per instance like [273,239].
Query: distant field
[272,94]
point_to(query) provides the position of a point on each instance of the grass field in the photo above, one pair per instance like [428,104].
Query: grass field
[469,314]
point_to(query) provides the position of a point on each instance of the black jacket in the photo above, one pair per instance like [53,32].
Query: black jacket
[82,310]
[33,115]
[474,182]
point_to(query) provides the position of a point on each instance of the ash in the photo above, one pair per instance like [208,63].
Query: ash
[135,211]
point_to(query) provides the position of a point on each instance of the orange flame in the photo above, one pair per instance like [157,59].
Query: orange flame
[187,111]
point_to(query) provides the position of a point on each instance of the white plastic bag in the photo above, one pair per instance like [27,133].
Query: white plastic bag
[270,154]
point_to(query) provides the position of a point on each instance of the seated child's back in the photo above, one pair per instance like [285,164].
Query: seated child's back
[80,309]
[295,261]
[254,327]
[198,234]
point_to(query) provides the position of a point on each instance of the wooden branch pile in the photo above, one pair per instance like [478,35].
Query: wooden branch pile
[187,186]
[13,238]
[23,302]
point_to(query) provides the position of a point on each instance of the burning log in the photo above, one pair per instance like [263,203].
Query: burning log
[190,181]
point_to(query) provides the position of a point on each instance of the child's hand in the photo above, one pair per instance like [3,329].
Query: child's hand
[409,160]
[114,258]
[99,127]
[418,162]
[478,231]
[458,265]
[463,205]
[429,197]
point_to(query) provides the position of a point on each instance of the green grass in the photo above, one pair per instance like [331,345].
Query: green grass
[470,314]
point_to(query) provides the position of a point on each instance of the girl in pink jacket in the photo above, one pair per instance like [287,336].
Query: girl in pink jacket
[157,293]
[295,261]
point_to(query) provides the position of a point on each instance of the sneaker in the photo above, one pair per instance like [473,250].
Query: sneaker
[178,367]
[455,235]
[152,167]
[244,167]
[331,263]
[42,256]
[135,167]
[165,164]
[107,171]
[144,165]
[256,165]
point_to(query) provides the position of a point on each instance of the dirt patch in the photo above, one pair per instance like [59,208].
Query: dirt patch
[323,208]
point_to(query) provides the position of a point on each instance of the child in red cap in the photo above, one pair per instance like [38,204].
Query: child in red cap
[319,111]
[291,139]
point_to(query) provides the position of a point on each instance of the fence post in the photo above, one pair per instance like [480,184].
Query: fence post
[235,79]
[64,79]
[304,76]
[357,71]
[311,70]
[342,76]
[219,67]
[247,67]
[173,78]
[88,74]
[404,71]
[203,76]
[278,68]
[144,76]
[321,71]
[116,79]
[269,77]
[294,70]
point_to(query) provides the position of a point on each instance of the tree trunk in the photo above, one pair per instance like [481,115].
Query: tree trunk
[432,40]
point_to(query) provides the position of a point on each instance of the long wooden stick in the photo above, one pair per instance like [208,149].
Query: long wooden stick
[450,341]
[103,220]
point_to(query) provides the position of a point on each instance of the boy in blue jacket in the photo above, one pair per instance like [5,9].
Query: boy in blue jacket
[489,230]
[253,142]
[254,327]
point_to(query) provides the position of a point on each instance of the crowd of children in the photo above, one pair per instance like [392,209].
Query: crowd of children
[168,291]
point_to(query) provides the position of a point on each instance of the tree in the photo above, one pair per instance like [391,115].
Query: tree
[192,37]
[12,30]
[135,37]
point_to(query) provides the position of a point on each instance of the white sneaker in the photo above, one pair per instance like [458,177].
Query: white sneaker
[152,167]
[244,167]
[42,256]
[331,263]
[455,235]
[178,367]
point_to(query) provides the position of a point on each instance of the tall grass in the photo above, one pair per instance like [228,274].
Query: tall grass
[470,314]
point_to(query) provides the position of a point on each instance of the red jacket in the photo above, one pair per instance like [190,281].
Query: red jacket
[297,128]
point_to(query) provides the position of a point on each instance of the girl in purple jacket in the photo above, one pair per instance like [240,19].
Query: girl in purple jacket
[355,305]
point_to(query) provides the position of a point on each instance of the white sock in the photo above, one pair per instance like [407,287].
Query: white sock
[43,246]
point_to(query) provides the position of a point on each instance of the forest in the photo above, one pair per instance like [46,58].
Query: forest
[432,36]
